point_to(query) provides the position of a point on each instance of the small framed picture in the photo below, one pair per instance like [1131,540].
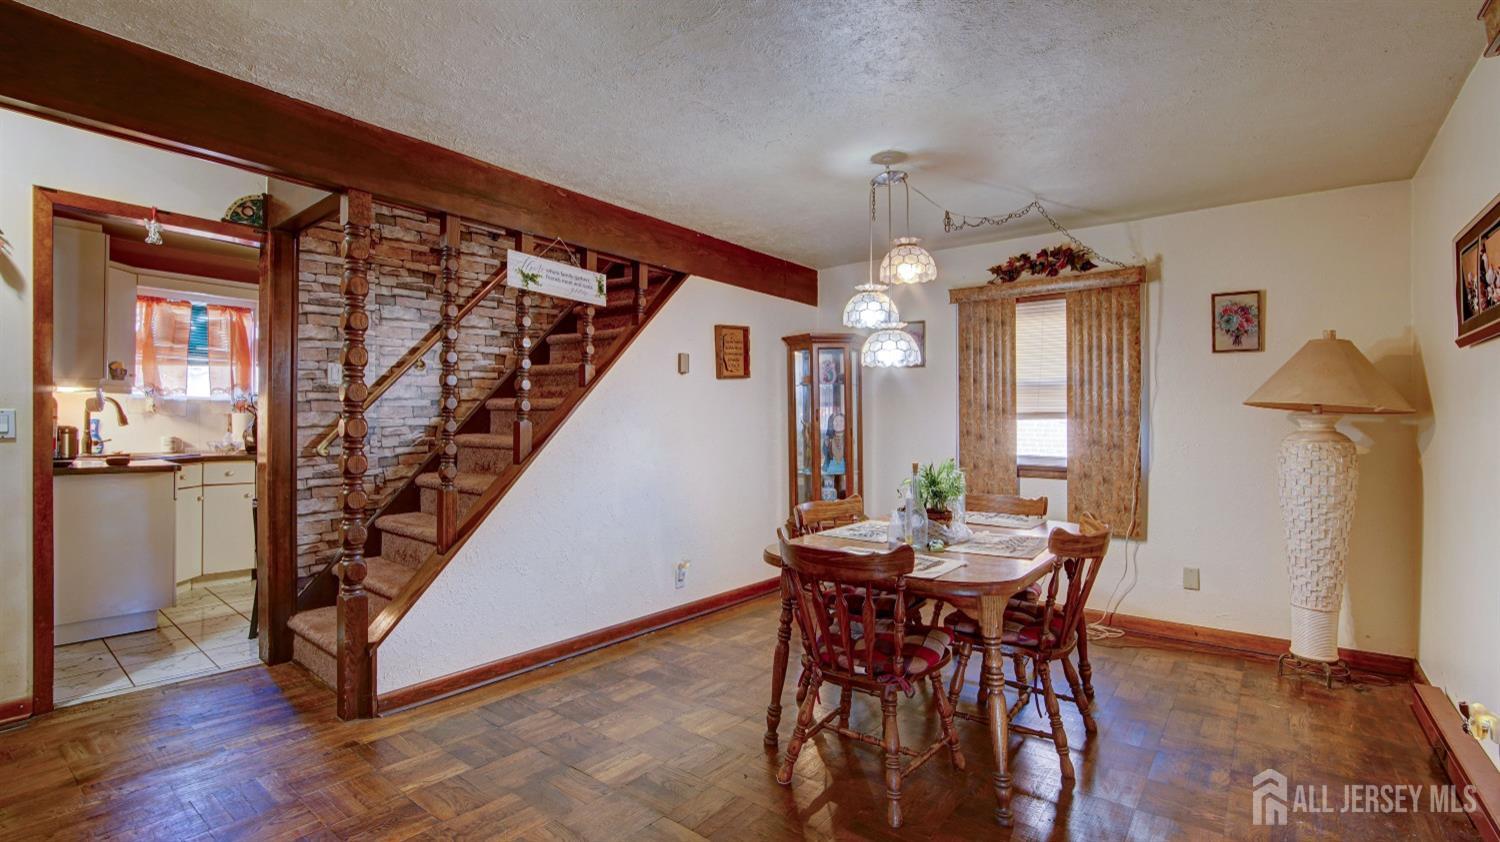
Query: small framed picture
[1238,321]
[731,352]
[918,331]
[1477,293]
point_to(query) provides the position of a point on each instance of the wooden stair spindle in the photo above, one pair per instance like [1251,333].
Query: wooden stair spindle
[447,509]
[642,280]
[354,688]
[522,431]
[586,330]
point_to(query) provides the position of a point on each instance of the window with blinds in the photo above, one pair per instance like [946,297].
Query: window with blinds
[1042,381]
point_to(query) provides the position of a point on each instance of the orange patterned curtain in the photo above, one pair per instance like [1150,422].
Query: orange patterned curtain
[230,364]
[162,332]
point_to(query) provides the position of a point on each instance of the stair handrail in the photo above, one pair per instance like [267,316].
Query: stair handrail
[495,281]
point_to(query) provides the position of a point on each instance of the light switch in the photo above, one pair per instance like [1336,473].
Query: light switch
[682,363]
[7,425]
[335,374]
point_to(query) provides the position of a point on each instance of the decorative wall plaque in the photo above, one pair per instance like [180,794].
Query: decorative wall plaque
[731,352]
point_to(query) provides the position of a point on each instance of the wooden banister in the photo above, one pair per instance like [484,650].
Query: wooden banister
[495,281]
[642,280]
[353,658]
[447,509]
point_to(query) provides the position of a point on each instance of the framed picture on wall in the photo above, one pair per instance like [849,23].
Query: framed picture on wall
[1238,321]
[1476,255]
[918,331]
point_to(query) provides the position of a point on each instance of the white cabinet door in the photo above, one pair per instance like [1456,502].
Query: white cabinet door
[228,535]
[80,252]
[119,327]
[189,533]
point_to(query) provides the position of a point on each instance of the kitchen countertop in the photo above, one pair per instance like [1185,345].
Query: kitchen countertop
[88,466]
[191,458]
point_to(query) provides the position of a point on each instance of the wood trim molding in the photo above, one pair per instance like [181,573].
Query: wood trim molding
[15,710]
[43,412]
[469,679]
[181,223]
[276,452]
[50,67]
[1245,643]
[391,615]
[1033,287]
[1042,471]
[1461,756]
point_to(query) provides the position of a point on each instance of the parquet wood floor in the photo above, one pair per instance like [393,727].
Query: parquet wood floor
[660,739]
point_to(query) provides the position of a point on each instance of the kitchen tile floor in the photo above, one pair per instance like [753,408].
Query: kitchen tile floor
[206,632]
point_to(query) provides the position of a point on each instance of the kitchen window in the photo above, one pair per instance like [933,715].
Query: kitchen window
[1042,383]
[194,348]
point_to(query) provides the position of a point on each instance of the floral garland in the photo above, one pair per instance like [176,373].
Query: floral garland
[1049,262]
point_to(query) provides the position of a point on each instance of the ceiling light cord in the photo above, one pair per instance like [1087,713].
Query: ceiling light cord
[958,222]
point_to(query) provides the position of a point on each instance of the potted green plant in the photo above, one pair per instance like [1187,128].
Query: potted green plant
[937,488]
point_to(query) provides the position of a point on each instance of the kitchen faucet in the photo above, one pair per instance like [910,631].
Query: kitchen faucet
[96,404]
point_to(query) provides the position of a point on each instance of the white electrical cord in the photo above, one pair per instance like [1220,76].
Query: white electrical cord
[1101,630]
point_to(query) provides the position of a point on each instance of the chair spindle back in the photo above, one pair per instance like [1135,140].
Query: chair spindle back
[1079,556]
[819,515]
[825,583]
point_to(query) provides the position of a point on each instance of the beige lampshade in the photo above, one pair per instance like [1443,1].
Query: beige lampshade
[1330,375]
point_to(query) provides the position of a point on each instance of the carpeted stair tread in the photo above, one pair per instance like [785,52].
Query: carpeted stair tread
[599,336]
[385,578]
[414,525]
[319,627]
[465,483]
[553,368]
[537,404]
[491,441]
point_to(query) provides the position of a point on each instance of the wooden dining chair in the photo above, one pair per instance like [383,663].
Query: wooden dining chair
[820,515]
[1048,631]
[1006,504]
[862,653]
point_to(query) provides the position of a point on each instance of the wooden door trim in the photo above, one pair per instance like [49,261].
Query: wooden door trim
[50,68]
[46,202]
[42,408]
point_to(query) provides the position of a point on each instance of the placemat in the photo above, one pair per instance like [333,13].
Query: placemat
[874,531]
[1008,521]
[1004,545]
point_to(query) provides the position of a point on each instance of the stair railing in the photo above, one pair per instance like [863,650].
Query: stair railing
[356,213]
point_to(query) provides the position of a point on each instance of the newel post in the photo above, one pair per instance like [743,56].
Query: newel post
[447,509]
[354,690]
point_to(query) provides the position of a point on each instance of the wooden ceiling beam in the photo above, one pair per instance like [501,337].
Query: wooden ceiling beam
[53,68]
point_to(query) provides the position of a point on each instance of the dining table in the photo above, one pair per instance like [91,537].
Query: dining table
[981,586]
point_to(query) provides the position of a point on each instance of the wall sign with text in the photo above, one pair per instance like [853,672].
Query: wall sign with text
[553,277]
[731,352]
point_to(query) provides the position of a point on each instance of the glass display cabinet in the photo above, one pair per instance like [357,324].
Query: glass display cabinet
[824,418]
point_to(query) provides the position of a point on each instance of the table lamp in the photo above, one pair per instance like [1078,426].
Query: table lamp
[1316,476]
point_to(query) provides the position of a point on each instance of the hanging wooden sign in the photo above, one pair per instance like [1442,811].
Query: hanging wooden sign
[731,352]
[563,280]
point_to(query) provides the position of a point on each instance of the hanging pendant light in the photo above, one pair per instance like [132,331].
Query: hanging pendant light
[870,308]
[890,347]
[908,263]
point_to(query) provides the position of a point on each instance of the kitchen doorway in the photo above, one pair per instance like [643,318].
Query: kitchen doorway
[147,565]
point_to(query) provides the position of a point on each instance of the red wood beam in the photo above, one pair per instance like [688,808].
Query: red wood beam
[63,71]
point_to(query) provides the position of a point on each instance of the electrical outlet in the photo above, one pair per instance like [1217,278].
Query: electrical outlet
[680,581]
[335,374]
[7,425]
[1190,578]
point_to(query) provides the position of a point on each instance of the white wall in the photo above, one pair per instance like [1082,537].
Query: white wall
[36,152]
[653,468]
[1336,260]
[1460,442]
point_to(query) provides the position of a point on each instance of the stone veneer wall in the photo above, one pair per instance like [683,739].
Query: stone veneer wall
[403,305]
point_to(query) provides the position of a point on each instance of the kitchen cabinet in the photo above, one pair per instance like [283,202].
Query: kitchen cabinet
[228,537]
[215,530]
[80,254]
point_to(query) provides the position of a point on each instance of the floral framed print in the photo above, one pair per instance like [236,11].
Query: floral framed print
[1238,321]
[1476,253]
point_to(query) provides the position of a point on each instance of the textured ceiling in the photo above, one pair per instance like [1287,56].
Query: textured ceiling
[754,121]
